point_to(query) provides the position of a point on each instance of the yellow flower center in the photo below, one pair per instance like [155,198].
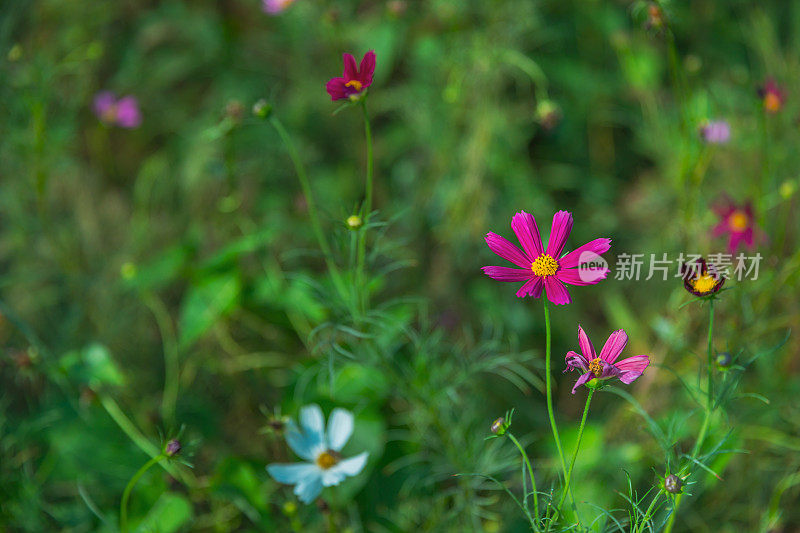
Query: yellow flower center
[596,367]
[738,221]
[544,265]
[704,283]
[772,102]
[327,459]
[355,84]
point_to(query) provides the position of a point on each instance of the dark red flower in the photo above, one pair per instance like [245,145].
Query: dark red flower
[354,81]
[701,278]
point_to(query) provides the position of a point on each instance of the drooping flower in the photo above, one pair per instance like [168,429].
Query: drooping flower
[606,365]
[772,96]
[321,448]
[547,270]
[123,112]
[736,220]
[715,132]
[701,278]
[355,80]
[274,7]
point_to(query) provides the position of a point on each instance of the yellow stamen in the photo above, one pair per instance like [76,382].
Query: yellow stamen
[596,367]
[325,460]
[704,283]
[355,84]
[738,221]
[544,265]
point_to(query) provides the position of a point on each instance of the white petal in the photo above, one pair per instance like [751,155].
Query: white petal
[340,427]
[308,489]
[312,421]
[304,445]
[291,474]
[349,467]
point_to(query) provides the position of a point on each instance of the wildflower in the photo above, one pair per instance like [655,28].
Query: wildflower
[354,222]
[354,81]
[673,484]
[715,132]
[274,7]
[547,270]
[606,365]
[321,448]
[656,19]
[172,448]
[123,112]
[701,279]
[772,96]
[738,221]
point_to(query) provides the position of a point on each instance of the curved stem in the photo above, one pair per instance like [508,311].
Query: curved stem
[171,361]
[549,388]
[366,210]
[527,462]
[123,506]
[575,453]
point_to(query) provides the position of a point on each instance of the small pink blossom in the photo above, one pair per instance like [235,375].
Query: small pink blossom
[274,7]
[123,112]
[606,365]
[355,80]
[737,221]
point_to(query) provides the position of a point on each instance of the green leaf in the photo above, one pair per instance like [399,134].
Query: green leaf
[205,304]
[170,513]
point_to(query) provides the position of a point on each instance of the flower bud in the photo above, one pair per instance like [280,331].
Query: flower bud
[498,426]
[127,271]
[172,448]
[724,360]
[262,109]
[673,484]
[548,114]
[787,189]
[354,222]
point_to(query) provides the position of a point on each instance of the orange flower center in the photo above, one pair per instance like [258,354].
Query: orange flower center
[544,266]
[327,459]
[355,84]
[596,367]
[704,283]
[772,102]
[738,221]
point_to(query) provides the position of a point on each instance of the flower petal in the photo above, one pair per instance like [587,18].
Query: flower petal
[309,488]
[575,360]
[720,228]
[562,225]
[507,273]
[336,88]
[586,346]
[556,291]
[313,421]
[305,446]
[613,347]
[367,69]
[583,254]
[526,230]
[103,101]
[582,276]
[582,380]
[128,115]
[350,69]
[532,287]
[348,467]
[637,363]
[507,251]
[340,427]
[291,474]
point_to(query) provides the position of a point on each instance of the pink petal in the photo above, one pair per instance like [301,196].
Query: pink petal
[614,345]
[720,228]
[507,251]
[582,380]
[556,291]
[103,101]
[526,230]
[336,88]
[507,274]
[367,69]
[128,115]
[562,225]
[747,237]
[350,69]
[532,287]
[733,242]
[637,363]
[586,345]
[586,253]
[575,360]
[582,276]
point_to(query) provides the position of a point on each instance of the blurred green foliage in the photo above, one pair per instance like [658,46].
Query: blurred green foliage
[167,276]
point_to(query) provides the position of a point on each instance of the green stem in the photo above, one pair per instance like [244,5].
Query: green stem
[171,360]
[365,211]
[527,462]
[708,410]
[575,453]
[123,506]
[647,513]
[549,388]
[294,155]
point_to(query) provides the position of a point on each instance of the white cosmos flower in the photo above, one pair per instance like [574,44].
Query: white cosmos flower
[325,466]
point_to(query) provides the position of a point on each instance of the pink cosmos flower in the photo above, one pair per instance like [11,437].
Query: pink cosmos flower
[715,132]
[274,7]
[547,270]
[606,366]
[772,96]
[355,81]
[123,112]
[736,220]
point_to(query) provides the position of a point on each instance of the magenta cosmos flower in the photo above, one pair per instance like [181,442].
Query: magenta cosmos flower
[715,132]
[123,112]
[606,366]
[737,221]
[355,80]
[772,96]
[547,270]
[274,7]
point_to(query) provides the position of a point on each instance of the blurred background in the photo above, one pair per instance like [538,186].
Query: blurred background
[162,276]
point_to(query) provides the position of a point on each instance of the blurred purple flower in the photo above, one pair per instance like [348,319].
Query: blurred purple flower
[715,132]
[606,365]
[736,220]
[123,112]
[354,81]
[274,7]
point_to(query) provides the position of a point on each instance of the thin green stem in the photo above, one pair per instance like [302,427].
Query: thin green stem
[575,453]
[549,387]
[123,506]
[294,155]
[171,359]
[646,517]
[527,462]
[366,210]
